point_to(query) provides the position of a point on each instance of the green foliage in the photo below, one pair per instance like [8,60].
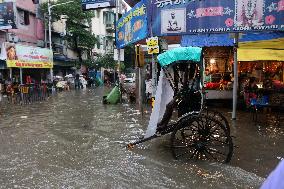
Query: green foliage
[106,61]
[80,37]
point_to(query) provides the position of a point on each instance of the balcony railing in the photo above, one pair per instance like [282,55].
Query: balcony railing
[110,27]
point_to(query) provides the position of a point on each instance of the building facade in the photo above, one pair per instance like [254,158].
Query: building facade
[29,32]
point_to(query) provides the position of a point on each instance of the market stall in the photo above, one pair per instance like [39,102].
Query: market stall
[218,72]
[261,72]
[218,61]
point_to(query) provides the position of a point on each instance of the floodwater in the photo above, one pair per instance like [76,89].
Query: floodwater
[74,141]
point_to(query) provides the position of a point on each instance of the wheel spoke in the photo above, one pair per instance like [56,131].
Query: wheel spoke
[195,150]
[216,151]
[210,154]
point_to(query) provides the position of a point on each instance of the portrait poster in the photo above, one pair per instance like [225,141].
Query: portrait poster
[7,16]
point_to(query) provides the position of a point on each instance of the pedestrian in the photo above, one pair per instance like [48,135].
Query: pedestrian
[250,91]
[77,81]
[149,88]
[10,92]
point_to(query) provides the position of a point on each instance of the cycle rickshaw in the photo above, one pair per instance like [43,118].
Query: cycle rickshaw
[198,133]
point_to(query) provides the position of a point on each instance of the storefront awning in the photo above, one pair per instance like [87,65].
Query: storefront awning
[63,61]
[271,40]
[260,54]
[207,40]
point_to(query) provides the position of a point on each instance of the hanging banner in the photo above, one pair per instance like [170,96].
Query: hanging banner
[7,16]
[153,45]
[97,4]
[217,16]
[132,26]
[28,57]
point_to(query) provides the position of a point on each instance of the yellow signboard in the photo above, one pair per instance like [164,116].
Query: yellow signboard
[153,45]
[19,64]
[20,56]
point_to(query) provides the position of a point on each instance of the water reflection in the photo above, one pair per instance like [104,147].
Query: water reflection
[73,141]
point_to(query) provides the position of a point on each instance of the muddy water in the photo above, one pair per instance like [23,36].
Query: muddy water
[73,141]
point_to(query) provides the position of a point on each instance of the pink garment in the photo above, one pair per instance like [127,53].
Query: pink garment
[276,178]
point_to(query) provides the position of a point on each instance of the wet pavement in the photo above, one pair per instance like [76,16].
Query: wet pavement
[74,141]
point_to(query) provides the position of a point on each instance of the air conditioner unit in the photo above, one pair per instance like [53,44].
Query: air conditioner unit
[13,38]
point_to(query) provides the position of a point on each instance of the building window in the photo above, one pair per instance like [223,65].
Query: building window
[108,17]
[24,17]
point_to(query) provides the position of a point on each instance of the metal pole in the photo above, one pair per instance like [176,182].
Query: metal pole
[49,33]
[235,87]
[154,75]
[11,73]
[118,50]
[45,33]
[140,91]
[21,76]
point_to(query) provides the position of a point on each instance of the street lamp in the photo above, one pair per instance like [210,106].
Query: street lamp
[49,27]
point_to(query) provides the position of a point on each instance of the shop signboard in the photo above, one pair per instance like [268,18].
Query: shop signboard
[153,45]
[217,16]
[20,56]
[97,4]
[7,16]
[132,26]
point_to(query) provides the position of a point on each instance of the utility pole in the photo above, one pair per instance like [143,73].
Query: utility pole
[49,27]
[49,33]
[235,87]
[118,49]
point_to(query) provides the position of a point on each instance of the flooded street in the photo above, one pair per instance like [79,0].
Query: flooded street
[74,141]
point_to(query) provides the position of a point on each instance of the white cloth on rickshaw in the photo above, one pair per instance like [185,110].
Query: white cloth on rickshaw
[163,96]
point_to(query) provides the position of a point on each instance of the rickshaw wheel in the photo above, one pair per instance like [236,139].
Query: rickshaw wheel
[202,138]
[218,116]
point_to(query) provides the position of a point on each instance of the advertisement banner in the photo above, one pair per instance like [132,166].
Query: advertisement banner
[153,45]
[7,16]
[190,17]
[132,26]
[28,57]
[97,4]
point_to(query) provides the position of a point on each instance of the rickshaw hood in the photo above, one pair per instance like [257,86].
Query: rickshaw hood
[181,53]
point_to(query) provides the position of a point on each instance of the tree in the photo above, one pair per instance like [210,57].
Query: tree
[78,26]
[106,61]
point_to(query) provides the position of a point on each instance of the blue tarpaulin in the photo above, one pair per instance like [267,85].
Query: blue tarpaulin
[210,40]
[206,40]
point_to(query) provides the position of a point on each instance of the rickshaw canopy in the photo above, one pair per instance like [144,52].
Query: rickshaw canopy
[180,53]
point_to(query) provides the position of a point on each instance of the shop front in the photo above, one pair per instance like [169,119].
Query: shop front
[261,71]
[260,56]
[218,62]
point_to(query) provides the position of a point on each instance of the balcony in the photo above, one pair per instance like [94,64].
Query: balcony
[110,28]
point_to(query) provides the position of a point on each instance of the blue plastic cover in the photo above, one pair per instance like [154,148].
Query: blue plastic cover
[211,40]
[181,53]
[207,40]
